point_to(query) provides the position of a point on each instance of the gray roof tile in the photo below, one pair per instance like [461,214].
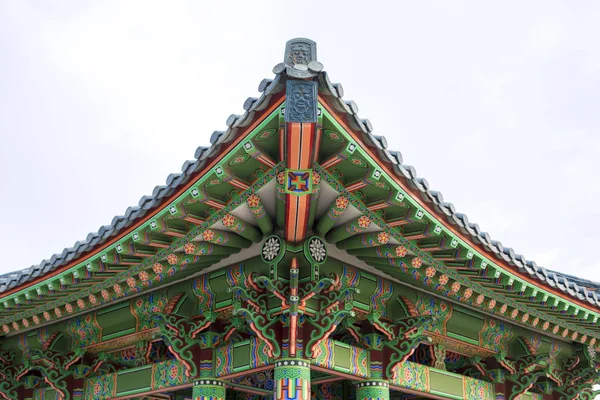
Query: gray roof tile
[267,87]
[333,92]
[568,284]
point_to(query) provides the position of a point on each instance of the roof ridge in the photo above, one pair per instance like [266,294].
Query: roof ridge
[566,283]
[251,105]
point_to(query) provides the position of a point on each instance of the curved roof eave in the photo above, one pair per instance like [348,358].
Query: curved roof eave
[11,281]
[581,289]
[578,288]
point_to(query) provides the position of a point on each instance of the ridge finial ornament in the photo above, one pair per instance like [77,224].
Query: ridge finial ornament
[300,59]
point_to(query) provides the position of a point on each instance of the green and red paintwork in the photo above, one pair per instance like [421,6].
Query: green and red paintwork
[294,265]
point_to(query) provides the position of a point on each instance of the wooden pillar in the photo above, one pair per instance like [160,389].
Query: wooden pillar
[208,389]
[292,379]
[500,390]
[77,389]
[374,389]
[208,386]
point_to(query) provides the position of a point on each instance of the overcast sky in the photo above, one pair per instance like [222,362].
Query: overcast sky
[497,107]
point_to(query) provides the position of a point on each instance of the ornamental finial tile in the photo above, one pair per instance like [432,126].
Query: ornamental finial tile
[300,59]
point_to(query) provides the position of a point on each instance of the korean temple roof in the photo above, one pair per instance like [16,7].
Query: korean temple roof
[579,288]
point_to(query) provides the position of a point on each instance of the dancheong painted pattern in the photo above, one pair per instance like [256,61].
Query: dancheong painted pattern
[296,258]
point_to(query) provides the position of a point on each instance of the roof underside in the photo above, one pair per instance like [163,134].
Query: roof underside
[226,148]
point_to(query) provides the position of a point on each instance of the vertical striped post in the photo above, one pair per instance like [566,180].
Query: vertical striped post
[292,379]
[208,389]
[373,390]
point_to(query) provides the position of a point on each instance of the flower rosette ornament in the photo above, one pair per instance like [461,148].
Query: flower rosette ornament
[364,222]
[173,372]
[280,187]
[97,388]
[281,178]
[255,206]
[479,299]
[253,201]
[443,279]
[383,237]
[497,339]
[316,250]
[417,262]
[342,202]
[468,293]
[172,259]
[401,251]
[157,268]
[208,235]
[455,287]
[144,276]
[139,302]
[118,290]
[228,221]
[189,248]
[340,205]
[316,179]
[430,272]
[546,325]
[271,249]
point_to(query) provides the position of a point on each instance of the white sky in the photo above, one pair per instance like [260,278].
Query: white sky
[496,106]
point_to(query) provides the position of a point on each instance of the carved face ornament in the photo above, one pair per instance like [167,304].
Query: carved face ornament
[303,98]
[300,54]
